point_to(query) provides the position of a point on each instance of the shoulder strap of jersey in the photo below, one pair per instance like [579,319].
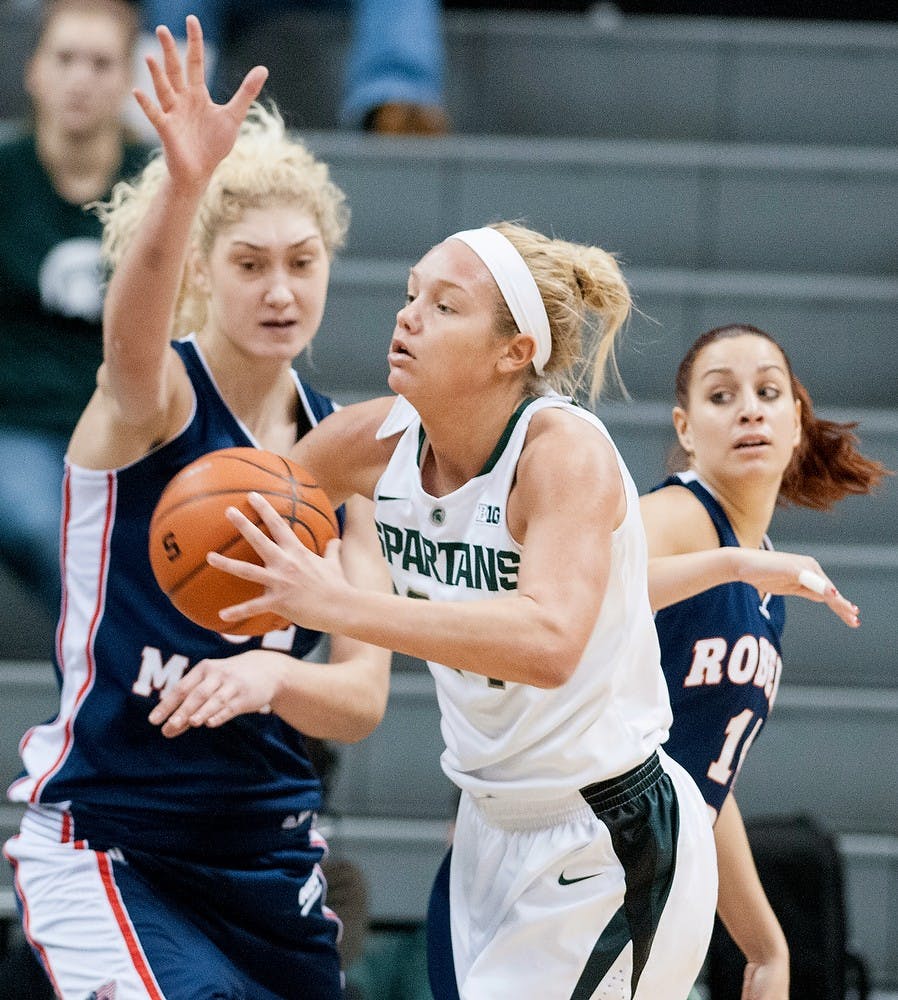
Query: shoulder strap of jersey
[691,482]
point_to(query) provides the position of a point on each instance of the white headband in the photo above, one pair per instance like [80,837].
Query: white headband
[516,284]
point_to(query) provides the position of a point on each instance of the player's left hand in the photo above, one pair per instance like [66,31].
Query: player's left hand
[299,585]
[792,573]
[216,691]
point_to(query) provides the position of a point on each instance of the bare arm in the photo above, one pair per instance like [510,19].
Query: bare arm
[365,667]
[535,635]
[343,454]
[144,392]
[342,700]
[686,558]
[746,912]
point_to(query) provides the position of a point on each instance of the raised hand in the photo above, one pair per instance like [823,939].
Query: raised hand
[195,133]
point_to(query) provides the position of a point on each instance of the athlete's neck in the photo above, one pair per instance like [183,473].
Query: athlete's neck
[82,168]
[458,445]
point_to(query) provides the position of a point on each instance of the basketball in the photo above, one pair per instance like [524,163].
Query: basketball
[189,521]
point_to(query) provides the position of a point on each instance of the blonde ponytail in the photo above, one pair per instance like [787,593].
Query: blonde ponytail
[587,302]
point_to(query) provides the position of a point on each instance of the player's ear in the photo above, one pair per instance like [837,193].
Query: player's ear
[796,441]
[517,353]
[681,426]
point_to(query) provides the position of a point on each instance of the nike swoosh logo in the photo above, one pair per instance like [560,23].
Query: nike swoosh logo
[580,878]
[380,496]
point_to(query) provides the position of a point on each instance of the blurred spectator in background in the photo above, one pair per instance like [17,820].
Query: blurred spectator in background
[75,148]
[393,78]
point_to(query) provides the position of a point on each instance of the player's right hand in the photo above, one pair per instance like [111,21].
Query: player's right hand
[196,134]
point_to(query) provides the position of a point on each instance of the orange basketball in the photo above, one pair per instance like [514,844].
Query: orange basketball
[189,521]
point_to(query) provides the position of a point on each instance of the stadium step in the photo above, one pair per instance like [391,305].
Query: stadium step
[606,75]
[817,318]
[598,74]
[689,205]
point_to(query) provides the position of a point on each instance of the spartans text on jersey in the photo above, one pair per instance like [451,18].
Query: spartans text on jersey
[458,564]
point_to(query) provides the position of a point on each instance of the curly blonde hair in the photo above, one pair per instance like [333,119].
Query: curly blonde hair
[266,167]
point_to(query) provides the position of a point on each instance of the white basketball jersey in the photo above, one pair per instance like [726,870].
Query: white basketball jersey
[503,737]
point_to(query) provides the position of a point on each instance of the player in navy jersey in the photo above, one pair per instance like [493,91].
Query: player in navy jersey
[582,862]
[749,439]
[169,847]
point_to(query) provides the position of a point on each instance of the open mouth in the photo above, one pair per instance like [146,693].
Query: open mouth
[754,442]
[397,348]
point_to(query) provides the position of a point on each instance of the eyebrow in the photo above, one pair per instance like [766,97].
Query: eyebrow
[292,246]
[438,282]
[726,370]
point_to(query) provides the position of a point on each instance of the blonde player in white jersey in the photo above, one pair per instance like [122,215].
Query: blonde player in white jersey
[583,863]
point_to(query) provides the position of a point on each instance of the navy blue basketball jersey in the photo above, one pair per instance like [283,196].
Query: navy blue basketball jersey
[120,643]
[721,655]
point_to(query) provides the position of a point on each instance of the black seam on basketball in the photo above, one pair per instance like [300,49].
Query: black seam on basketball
[255,464]
[203,566]
[291,479]
[225,548]
[199,497]
[327,514]
[293,521]
[293,517]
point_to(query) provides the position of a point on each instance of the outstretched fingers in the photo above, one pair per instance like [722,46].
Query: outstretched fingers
[278,528]
[165,93]
[247,92]
[195,59]
[167,81]
[848,612]
[825,590]
[150,109]
[264,547]
[267,547]
[171,58]
[289,568]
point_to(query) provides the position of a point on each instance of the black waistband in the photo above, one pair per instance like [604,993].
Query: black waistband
[613,792]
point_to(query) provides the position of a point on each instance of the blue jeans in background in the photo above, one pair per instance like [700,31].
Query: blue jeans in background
[31,466]
[396,51]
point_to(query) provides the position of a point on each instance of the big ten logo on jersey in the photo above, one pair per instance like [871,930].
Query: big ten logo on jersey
[751,659]
[158,675]
[488,513]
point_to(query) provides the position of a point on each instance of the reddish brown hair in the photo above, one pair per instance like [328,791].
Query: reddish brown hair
[826,466]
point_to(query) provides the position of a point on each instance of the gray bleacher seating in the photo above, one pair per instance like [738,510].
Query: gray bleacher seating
[542,74]
[601,75]
[27,697]
[694,205]
[674,77]
[27,630]
[817,318]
